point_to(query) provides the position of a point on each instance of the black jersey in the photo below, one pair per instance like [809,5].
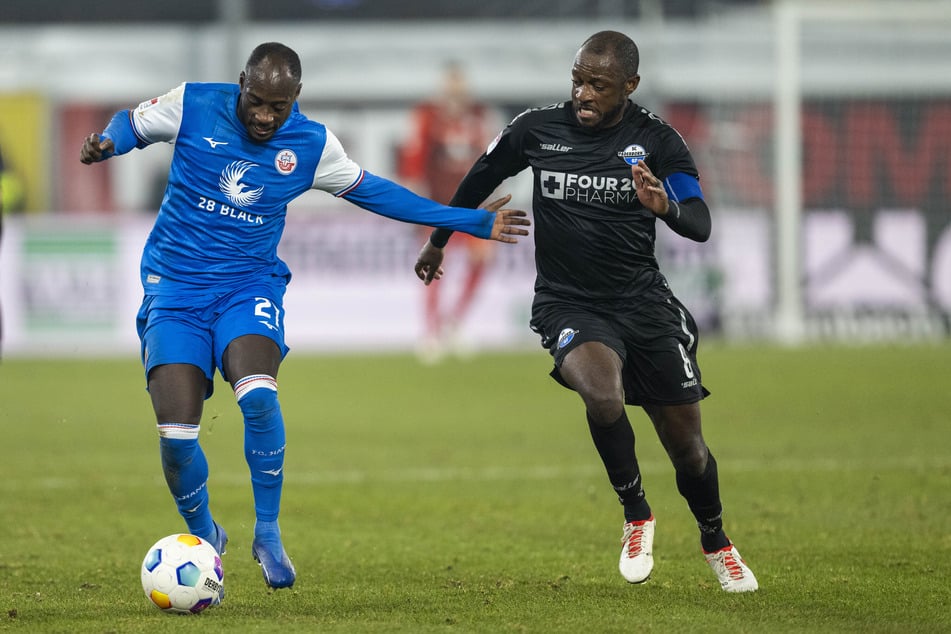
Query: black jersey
[594,241]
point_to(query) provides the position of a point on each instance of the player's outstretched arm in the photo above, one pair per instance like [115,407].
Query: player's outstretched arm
[387,198]
[508,222]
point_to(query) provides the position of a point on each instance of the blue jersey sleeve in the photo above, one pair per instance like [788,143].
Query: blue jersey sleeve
[386,198]
[122,133]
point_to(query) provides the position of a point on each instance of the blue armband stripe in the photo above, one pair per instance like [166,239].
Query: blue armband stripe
[680,186]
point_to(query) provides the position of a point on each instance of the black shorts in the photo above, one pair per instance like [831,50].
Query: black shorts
[657,343]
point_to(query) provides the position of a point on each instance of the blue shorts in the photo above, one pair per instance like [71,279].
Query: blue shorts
[196,329]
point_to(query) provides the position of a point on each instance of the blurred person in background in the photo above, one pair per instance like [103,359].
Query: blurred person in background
[604,170]
[13,198]
[1,243]
[213,283]
[447,133]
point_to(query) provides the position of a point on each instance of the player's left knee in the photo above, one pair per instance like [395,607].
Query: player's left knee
[257,397]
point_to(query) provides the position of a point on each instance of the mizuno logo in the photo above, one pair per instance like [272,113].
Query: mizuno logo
[214,143]
[273,472]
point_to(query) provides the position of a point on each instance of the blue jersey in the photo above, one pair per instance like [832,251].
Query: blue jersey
[224,209]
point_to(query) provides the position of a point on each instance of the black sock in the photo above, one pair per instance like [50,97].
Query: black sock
[615,444]
[703,497]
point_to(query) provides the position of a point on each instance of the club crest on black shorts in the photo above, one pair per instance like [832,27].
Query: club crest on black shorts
[565,337]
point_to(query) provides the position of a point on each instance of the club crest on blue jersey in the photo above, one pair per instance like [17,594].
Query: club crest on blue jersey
[231,186]
[565,337]
[285,162]
[632,154]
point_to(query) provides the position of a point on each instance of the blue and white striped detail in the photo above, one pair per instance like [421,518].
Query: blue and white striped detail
[254,382]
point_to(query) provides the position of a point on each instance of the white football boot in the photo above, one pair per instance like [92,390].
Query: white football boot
[731,571]
[637,550]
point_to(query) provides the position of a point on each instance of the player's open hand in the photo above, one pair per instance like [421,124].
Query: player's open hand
[94,149]
[508,222]
[428,263]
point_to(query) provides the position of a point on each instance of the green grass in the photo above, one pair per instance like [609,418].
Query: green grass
[467,497]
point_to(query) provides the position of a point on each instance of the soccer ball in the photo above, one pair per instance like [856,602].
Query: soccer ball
[182,573]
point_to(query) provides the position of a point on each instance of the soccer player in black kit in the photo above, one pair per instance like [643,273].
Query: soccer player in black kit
[604,170]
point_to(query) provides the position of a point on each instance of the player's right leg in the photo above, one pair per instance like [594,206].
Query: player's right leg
[585,350]
[178,364]
[594,371]
[177,403]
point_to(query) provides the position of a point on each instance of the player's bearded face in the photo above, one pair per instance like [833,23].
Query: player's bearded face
[598,95]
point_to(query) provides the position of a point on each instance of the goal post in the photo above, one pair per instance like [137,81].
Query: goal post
[789,325]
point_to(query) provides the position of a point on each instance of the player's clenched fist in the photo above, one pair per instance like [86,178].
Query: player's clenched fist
[94,149]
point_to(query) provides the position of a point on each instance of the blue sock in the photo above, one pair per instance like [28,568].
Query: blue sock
[186,472]
[264,442]
[267,531]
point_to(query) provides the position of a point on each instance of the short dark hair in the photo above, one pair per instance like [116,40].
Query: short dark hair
[279,53]
[621,46]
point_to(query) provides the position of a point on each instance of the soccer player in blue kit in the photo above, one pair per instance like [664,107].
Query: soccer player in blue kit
[604,170]
[213,283]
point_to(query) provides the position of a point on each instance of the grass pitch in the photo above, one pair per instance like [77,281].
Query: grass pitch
[467,497]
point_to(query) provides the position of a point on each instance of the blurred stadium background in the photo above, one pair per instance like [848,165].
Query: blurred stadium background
[822,132]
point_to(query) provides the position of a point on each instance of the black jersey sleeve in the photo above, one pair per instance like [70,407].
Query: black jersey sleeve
[676,156]
[689,218]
